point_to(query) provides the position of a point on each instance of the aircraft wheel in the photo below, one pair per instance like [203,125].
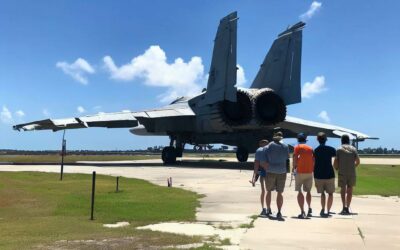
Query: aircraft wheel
[242,154]
[168,155]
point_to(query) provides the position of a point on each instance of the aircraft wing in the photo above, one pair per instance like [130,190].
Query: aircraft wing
[295,125]
[106,120]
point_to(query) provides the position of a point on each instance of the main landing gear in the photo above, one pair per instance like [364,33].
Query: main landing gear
[170,153]
[242,154]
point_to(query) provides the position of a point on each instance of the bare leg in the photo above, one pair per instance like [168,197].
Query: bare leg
[279,201]
[330,201]
[323,201]
[343,195]
[300,200]
[308,199]
[268,199]
[262,198]
[349,196]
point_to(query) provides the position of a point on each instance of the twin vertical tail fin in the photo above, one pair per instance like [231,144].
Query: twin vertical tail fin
[281,68]
[222,75]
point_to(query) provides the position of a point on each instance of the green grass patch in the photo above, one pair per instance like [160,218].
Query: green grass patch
[37,208]
[378,180]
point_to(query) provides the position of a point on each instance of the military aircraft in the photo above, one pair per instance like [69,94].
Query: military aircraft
[222,113]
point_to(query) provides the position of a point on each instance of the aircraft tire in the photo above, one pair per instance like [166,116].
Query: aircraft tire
[168,155]
[242,154]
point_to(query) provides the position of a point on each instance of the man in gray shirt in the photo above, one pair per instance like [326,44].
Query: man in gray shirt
[277,155]
[346,162]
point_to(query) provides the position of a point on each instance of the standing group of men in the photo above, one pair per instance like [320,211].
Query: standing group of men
[271,166]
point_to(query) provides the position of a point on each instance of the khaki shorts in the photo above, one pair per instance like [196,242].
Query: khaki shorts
[346,180]
[325,185]
[304,180]
[276,182]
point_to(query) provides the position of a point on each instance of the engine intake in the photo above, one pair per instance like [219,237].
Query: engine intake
[239,112]
[269,107]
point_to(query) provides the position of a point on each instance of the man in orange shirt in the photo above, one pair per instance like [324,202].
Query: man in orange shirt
[303,166]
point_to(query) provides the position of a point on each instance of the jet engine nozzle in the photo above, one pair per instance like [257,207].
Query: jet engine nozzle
[269,107]
[239,112]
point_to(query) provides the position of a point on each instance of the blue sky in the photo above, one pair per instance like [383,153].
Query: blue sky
[350,56]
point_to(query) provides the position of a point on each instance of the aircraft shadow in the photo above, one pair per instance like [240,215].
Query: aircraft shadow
[208,164]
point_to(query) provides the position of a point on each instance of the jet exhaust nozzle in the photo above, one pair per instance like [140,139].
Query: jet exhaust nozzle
[269,107]
[239,112]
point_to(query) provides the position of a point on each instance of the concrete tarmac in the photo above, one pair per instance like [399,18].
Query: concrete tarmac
[231,200]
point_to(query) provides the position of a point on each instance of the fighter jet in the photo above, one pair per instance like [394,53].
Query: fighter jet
[222,113]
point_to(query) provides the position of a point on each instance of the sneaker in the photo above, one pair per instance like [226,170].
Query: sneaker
[309,214]
[345,211]
[323,214]
[269,212]
[263,212]
[302,215]
[279,215]
[348,211]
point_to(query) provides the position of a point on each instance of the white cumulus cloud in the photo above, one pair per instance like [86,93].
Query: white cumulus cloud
[180,77]
[20,113]
[323,115]
[314,7]
[315,87]
[77,70]
[81,109]
[5,115]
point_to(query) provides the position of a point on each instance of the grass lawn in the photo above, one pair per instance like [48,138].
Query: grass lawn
[378,179]
[37,210]
[55,158]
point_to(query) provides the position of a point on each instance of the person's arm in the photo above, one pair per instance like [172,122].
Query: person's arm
[256,167]
[255,172]
[294,161]
[313,160]
[264,160]
[336,163]
[357,162]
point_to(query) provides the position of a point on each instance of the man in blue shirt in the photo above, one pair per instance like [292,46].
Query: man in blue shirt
[277,156]
[323,173]
[259,171]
